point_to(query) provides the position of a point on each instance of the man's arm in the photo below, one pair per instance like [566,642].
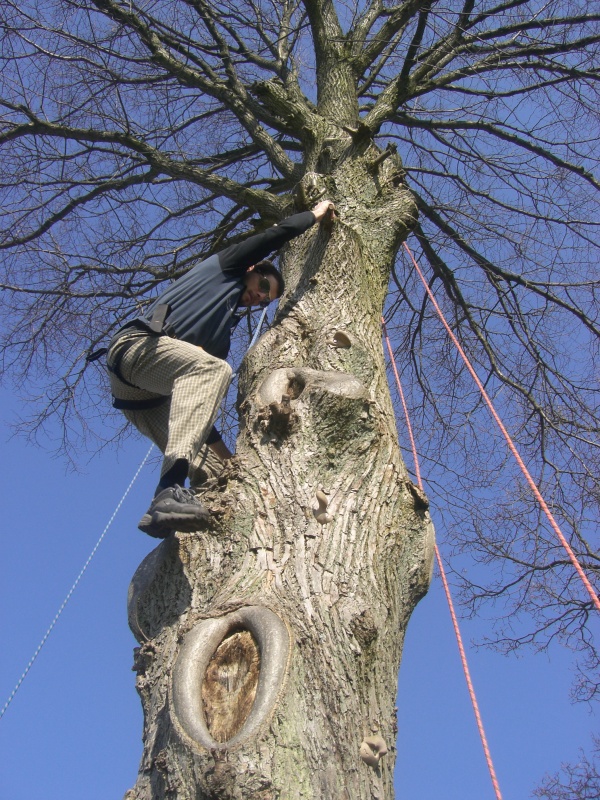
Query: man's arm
[238,257]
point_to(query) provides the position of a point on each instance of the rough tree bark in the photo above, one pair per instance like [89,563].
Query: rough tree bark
[317,522]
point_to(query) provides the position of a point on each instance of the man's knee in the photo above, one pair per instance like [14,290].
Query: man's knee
[225,370]
[218,373]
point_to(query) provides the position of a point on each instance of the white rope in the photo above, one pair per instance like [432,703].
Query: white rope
[95,548]
[255,336]
[258,328]
[74,586]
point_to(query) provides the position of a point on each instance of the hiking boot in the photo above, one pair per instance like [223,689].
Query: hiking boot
[174,509]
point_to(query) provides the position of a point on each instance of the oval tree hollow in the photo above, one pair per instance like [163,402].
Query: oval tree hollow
[229,685]
[340,339]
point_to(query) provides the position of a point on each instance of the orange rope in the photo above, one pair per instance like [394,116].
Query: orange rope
[509,441]
[404,406]
[461,649]
[463,658]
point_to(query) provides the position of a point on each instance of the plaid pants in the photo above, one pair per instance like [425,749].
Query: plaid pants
[193,381]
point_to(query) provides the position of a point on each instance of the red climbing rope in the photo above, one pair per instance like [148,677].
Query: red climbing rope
[463,658]
[509,441]
[461,649]
[404,407]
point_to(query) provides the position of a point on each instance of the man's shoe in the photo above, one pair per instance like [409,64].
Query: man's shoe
[174,509]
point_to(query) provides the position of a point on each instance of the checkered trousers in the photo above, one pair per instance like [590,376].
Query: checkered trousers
[194,381]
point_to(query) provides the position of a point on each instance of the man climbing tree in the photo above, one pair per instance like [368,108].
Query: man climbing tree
[126,125]
[167,372]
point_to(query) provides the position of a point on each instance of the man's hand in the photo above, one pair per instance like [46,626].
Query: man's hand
[323,209]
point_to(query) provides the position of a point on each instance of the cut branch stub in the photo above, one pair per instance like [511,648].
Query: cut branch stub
[281,415]
[332,405]
[141,581]
[197,702]
[419,497]
[293,382]
[159,591]
[373,165]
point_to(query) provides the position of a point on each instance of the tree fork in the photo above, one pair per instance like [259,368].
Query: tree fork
[270,645]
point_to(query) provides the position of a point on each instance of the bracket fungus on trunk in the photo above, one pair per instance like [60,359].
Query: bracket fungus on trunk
[320,514]
[199,708]
[372,749]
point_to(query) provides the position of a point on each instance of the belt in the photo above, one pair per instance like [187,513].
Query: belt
[138,405]
[156,327]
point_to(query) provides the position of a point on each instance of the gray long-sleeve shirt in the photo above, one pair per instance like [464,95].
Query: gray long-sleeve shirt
[203,302]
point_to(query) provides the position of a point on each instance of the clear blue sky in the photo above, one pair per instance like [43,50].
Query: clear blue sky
[73,731]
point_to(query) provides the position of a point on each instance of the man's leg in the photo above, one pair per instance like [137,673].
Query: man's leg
[151,422]
[196,383]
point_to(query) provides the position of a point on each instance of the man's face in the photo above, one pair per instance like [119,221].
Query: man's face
[259,289]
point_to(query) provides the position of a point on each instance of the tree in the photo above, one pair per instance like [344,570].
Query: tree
[581,780]
[137,137]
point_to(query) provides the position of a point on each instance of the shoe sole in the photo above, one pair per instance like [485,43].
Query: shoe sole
[148,526]
[160,525]
[179,521]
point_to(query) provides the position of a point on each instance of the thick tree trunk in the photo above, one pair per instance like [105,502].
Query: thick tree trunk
[271,643]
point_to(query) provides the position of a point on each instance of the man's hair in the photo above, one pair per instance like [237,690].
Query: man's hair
[268,268]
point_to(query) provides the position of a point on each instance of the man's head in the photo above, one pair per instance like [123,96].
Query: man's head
[263,283]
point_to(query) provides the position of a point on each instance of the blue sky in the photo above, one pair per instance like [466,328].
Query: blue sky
[73,730]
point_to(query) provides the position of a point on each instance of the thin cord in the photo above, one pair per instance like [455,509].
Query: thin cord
[404,406]
[74,586]
[95,548]
[509,441]
[255,336]
[459,639]
[258,328]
